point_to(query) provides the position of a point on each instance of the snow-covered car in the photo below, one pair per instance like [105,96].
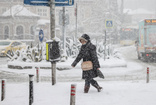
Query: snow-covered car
[10,46]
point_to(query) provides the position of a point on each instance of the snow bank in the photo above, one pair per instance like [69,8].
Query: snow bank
[112,62]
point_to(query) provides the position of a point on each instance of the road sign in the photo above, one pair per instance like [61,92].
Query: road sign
[109,23]
[41,35]
[47,2]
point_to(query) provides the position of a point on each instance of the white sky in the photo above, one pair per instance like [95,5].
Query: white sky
[135,4]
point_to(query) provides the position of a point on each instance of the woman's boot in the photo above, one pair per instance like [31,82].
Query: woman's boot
[96,85]
[86,89]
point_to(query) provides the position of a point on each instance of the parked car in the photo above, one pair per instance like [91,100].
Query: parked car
[10,46]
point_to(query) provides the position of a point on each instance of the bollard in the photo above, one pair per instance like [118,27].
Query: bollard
[3,90]
[53,68]
[31,98]
[147,78]
[72,95]
[37,74]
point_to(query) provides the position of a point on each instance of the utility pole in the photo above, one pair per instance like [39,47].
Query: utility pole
[105,46]
[12,22]
[121,10]
[122,6]
[52,18]
[64,30]
[76,24]
[52,51]
[52,29]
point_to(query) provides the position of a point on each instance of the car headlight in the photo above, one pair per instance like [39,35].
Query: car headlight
[2,50]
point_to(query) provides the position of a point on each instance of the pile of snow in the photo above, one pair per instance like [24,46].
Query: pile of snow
[114,60]
[111,62]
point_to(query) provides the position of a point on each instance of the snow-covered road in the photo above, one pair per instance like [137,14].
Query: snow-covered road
[130,55]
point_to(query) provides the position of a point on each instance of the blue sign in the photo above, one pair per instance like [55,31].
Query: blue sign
[47,2]
[41,35]
[109,23]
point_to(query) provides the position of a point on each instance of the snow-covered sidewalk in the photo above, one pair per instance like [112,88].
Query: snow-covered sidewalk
[132,71]
[114,93]
[113,62]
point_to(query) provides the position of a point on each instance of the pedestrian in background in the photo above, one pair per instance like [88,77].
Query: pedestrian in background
[90,63]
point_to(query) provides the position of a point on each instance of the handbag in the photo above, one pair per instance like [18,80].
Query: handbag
[86,65]
[100,74]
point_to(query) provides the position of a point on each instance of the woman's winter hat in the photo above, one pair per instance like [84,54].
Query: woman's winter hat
[85,37]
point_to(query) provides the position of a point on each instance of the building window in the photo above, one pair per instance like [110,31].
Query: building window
[32,30]
[4,10]
[32,33]
[42,12]
[6,32]
[19,32]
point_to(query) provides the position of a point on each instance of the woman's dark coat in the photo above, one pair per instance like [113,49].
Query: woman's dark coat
[88,53]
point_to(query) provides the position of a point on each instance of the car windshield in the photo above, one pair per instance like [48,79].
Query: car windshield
[5,43]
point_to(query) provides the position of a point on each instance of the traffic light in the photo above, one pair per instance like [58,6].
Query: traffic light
[52,51]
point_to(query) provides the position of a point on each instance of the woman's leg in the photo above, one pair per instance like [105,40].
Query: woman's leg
[87,85]
[87,82]
[96,85]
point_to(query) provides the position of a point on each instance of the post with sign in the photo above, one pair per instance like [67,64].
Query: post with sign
[108,25]
[76,12]
[52,23]
[104,52]
[63,21]
[53,49]
[53,55]
[63,30]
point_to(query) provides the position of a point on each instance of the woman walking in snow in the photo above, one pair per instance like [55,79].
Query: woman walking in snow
[88,53]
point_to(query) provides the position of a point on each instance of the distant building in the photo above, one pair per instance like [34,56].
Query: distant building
[18,23]
[91,16]
[133,17]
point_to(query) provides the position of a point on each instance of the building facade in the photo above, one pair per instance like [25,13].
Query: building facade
[18,23]
[88,17]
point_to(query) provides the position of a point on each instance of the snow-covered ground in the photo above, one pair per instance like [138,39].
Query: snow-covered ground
[113,69]
[114,93]
[123,85]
